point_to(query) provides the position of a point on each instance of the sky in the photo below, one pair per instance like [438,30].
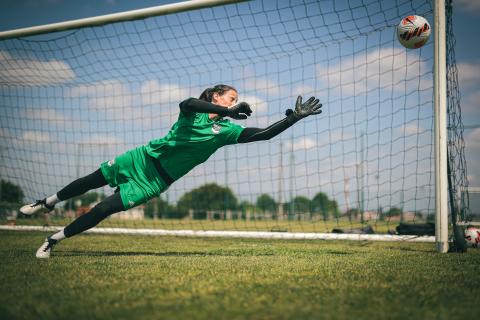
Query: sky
[20,14]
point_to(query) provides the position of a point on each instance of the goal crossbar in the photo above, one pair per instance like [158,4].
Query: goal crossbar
[116,17]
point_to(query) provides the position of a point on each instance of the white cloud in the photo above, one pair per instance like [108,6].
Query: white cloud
[118,102]
[387,68]
[263,85]
[16,71]
[303,90]
[472,151]
[115,99]
[471,6]
[468,73]
[39,157]
[99,140]
[5,133]
[154,92]
[106,94]
[410,129]
[304,143]
[337,136]
[259,116]
[472,139]
[472,180]
[36,136]
[259,106]
[46,114]
[471,104]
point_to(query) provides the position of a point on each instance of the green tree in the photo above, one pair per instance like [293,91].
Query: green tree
[10,192]
[321,205]
[333,209]
[380,214]
[245,205]
[210,196]
[393,212]
[302,204]
[266,203]
[159,208]
[84,200]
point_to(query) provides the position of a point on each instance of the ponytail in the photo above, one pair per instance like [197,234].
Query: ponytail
[207,94]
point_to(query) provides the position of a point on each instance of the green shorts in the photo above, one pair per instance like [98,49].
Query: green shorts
[136,176]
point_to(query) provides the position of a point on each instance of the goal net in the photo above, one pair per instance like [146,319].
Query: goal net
[73,99]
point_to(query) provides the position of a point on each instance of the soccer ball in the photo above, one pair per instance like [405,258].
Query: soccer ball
[413,32]
[472,236]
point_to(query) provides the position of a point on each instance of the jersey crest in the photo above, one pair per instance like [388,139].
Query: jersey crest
[216,128]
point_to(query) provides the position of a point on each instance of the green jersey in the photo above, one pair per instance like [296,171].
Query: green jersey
[191,141]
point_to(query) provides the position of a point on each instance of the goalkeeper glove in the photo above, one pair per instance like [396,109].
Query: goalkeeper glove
[302,110]
[239,111]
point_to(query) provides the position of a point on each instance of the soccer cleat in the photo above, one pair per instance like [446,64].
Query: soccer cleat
[38,206]
[46,248]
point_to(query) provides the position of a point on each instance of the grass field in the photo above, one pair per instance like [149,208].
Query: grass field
[139,277]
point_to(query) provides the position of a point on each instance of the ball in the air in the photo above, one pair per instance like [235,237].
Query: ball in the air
[413,32]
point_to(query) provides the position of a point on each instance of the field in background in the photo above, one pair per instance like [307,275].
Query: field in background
[115,277]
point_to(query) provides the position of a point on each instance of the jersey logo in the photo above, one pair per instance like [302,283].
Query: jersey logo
[111,162]
[216,128]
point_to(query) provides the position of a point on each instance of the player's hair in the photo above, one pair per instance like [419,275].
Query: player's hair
[207,94]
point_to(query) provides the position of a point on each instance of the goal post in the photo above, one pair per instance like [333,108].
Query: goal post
[440,107]
[75,94]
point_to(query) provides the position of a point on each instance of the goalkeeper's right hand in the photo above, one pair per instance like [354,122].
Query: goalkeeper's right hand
[302,110]
[239,111]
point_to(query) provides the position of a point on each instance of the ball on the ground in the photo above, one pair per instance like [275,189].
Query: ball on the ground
[472,237]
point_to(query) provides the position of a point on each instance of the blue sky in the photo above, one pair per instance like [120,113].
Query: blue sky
[19,14]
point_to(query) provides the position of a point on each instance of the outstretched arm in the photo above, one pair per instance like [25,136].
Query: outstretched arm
[302,110]
[239,111]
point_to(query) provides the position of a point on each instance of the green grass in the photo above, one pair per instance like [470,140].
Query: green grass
[135,277]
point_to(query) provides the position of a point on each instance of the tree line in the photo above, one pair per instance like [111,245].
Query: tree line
[213,197]
[209,197]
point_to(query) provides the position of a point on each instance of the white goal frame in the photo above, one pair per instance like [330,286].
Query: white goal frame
[440,114]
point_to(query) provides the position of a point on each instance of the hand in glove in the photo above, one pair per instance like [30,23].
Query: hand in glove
[302,110]
[239,111]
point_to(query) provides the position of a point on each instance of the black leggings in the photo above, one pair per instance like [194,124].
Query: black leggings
[80,186]
[106,207]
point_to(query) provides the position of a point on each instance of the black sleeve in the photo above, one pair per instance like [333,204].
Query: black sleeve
[257,134]
[201,106]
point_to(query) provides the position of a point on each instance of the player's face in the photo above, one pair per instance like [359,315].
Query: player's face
[227,99]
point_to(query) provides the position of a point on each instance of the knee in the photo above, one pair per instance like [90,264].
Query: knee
[107,207]
[101,210]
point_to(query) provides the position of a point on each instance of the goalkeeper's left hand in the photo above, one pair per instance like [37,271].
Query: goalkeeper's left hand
[239,111]
[302,110]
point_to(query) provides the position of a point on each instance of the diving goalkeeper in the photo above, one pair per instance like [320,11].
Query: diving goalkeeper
[146,171]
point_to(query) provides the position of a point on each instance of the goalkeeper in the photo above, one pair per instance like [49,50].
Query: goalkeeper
[146,171]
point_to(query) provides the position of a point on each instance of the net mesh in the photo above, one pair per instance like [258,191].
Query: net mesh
[72,100]
[456,143]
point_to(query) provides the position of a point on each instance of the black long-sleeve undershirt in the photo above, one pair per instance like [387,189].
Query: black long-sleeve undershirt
[258,134]
[248,134]
[202,106]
